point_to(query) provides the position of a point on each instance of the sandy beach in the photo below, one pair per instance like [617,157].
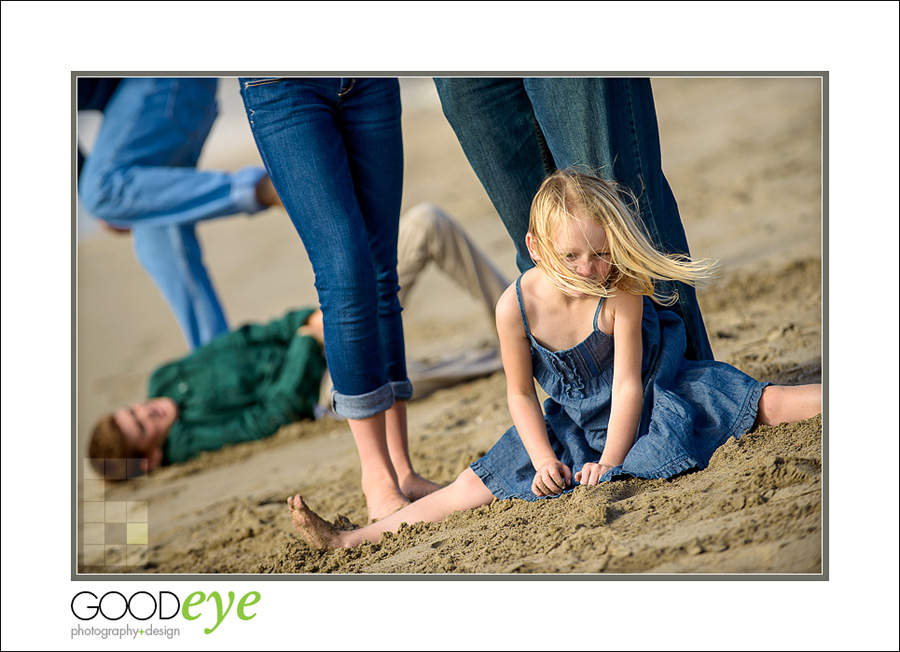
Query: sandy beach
[744,158]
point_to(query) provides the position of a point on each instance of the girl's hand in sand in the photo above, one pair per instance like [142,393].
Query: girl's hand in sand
[591,473]
[552,478]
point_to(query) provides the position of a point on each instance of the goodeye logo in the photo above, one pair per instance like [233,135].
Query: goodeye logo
[165,605]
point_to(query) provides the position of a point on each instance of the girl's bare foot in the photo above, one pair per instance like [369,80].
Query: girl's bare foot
[311,527]
[414,486]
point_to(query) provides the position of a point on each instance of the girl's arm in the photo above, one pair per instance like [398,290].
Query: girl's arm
[627,390]
[552,476]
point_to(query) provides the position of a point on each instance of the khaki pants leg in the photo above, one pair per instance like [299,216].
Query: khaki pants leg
[428,233]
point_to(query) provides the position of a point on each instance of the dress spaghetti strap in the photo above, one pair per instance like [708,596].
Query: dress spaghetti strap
[597,313]
[522,305]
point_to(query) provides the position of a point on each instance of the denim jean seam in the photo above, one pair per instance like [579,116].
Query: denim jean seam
[263,82]
[549,162]
[635,147]
[262,151]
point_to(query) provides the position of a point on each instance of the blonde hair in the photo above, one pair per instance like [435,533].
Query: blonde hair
[635,264]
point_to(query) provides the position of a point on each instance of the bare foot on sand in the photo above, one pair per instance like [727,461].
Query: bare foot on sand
[384,505]
[415,486]
[311,527]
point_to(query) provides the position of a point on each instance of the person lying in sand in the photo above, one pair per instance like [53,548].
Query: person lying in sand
[240,386]
[246,384]
[624,401]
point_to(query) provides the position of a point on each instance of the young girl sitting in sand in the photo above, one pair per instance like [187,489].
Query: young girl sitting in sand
[623,399]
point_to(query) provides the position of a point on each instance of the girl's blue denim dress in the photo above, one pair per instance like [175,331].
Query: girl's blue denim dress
[690,408]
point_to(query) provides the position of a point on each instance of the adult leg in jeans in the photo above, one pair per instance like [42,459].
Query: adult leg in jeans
[141,174]
[495,123]
[172,256]
[515,129]
[430,235]
[333,149]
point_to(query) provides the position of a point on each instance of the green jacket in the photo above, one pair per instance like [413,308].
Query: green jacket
[241,386]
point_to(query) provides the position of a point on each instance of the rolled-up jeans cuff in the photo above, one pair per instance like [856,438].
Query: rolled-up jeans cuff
[243,189]
[403,390]
[363,406]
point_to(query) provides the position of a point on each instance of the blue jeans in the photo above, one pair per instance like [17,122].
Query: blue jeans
[141,174]
[172,257]
[514,132]
[334,152]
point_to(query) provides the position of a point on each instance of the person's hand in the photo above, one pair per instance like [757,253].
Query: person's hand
[591,473]
[266,194]
[314,327]
[552,477]
[118,230]
[152,460]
